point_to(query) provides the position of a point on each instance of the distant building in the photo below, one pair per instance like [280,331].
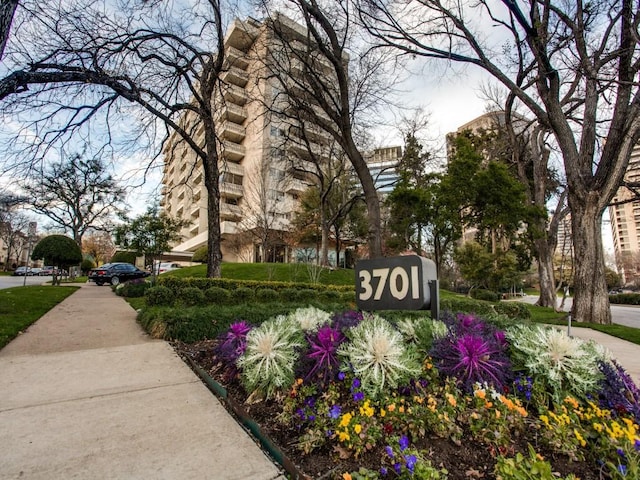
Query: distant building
[383,163]
[625,224]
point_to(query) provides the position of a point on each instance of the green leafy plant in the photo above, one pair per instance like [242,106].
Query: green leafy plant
[563,365]
[378,355]
[531,467]
[217,295]
[191,296]
[266,295]
[159,295]
[242,294]
[270,357]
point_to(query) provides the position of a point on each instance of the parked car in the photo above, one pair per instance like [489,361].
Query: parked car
[46,270]
[22,271]
[167,267]
[115,273]
[36,270]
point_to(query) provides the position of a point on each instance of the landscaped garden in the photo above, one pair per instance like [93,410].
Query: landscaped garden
[341,394]
[355,396]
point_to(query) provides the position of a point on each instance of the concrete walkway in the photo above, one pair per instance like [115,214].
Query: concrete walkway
[86,394]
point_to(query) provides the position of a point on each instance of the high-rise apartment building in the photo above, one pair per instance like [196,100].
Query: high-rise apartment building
[625,224]
[263,159]
[383,163]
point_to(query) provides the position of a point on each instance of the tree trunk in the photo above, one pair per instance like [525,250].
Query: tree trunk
[7,10]
[370,197]
[590,301]
[544,256]
[212,182]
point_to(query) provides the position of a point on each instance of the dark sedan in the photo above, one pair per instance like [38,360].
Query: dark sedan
[116,273]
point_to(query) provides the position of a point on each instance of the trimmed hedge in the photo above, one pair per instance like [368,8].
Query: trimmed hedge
[178,283]
[625,299]
[513,310]
[481,294]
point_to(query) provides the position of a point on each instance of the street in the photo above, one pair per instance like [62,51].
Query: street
[10,281]
[626,315]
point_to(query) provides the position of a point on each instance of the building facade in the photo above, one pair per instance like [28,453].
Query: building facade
[625,225]
[266,160]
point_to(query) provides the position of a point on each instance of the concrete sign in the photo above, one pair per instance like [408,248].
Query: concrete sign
[397,283]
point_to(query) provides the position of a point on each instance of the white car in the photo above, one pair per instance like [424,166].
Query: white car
[167,267]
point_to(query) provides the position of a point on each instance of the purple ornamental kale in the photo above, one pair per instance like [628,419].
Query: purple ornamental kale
[233,342]
[472,358]
[344,320]
[322,355]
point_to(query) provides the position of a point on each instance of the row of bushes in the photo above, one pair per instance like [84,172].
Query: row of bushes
[625,298]
[162,295]
[177,284]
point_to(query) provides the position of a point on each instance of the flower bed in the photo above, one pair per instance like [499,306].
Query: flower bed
[352,396]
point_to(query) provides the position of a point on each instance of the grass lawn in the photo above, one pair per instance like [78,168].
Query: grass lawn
[21,306]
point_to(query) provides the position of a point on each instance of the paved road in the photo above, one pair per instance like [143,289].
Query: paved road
[626,315]
[11,281]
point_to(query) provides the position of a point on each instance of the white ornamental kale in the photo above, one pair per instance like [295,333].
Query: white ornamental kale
[268,362]
[310,319]
[378,356]
[563,364]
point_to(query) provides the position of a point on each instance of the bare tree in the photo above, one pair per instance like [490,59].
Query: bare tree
[7,11]
[152,68]
[266,206]
[14,232]
[76,194]
[573,65]
[326,84]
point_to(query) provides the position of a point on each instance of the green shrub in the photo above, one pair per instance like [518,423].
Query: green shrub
[242,294]
[127,257]
[133,288]
[217,295]
[86,265]
[159,295]
[349,297]
[329,296]
[290,295]
[487,295]
[200,255]
[515,310]
[307,294]
[267,295]
[625,298]
[191,296]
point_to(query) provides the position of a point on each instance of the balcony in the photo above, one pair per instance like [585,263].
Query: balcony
[234,94]
[233,113]
[228,228]
[235,76]
[236,58]
[195,211]
[232,131]
[230,212]
[303,151]
[231,190]
[232,151]
[296,186]
[231,167]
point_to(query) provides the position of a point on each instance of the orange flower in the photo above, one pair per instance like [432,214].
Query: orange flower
[346,476]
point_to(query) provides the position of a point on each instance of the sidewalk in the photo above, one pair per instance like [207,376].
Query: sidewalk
[86,394]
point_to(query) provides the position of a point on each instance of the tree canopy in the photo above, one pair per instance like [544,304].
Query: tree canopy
[59,251]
